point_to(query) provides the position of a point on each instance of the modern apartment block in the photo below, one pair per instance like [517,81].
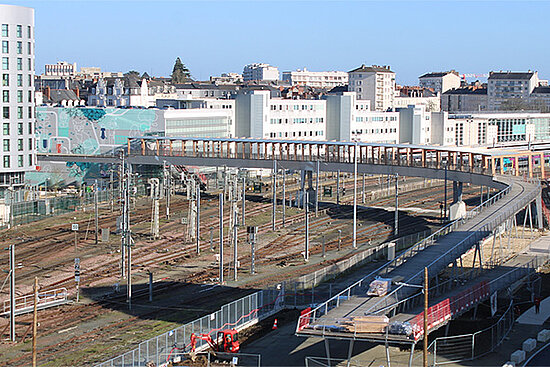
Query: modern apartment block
[440,82]
[506,86]
[466,99]
[17,89]
[316,79]
[260,72]
[374,83]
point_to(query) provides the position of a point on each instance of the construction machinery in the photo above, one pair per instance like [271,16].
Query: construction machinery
[226,341]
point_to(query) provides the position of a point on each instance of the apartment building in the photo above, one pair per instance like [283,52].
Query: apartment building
[62,68]
[374,83]
[415,125]
[465,99]
[260,72]
[505,86]
[440,82]
[316,79]
[17,94]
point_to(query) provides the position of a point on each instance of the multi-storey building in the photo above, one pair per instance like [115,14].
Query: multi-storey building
[374,83]
[227,78]
[440,82]
[505,86]
[415,125]
[316,79]
[62,68]
[260,72]
[466,99]
[17,94]
[407,95]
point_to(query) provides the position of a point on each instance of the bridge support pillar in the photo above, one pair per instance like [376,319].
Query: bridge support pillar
[350,352]
[458,207]
[538,202]
[307,186]
[327,350]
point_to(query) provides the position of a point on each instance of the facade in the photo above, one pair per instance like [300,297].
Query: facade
[506,86]
[540,98]
[373,83]
[442,129]
[406,96]
[62,68]
[440,82]
[200,122]
[17,104]
[466,99]
[227,78]
[260,72]
[316,79]
[128,91]
[415,125]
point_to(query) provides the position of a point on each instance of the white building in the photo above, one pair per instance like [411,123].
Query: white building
[260,72]
[505,86]
[316,79]
[415,125]
[374,83]
[440,82]
[62,68]
[210,121]
[227,78]
[17,100]
[259,116]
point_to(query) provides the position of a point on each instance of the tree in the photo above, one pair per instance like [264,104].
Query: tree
[180,73]
[132,73]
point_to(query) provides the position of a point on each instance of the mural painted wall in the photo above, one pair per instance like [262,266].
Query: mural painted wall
[87,131]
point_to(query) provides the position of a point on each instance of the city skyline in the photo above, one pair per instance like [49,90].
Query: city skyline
[411,37]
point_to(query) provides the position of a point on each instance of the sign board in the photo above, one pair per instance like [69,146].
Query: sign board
[77,269]
[251,229]
[235,361]
[74,226]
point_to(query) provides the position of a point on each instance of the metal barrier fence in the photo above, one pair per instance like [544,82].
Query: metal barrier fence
[30,211]
[453,349]
[330,362]
[238,315]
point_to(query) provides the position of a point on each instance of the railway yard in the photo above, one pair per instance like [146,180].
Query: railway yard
[100,326]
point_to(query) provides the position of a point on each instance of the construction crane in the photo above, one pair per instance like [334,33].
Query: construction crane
[465,76]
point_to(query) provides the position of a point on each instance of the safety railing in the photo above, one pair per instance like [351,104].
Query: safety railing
[26,303]
[238,314]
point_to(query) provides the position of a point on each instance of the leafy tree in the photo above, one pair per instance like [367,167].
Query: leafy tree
[180,73]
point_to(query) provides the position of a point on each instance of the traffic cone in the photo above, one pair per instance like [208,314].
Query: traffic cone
[274,325]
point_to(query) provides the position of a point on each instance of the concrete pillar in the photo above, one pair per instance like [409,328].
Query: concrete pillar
[538,203]
[457,191]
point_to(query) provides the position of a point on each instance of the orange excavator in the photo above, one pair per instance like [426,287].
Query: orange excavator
[227,341]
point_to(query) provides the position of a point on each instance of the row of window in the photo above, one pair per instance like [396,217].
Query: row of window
[299,120]
[296,134]
[19,47]
[376,118]
[6,128]
[18,31]
[6,145]
[374,131]
[6,112]
[20,159]
[18,80]
[294,107]
[19,63]
[19,96]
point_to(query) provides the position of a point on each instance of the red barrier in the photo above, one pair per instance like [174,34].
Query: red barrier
[304,321]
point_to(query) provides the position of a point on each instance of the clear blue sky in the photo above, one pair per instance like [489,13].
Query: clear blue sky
[214,37]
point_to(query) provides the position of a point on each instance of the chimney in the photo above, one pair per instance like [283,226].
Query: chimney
[77,92]
[48,92]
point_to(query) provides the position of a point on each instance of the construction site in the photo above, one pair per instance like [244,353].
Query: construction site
[175,265]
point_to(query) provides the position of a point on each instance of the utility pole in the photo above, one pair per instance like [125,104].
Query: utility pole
[317,190]
[338,188]
[127,234]
[34,321]
[363,190]
[221,238]
[355,196]
[12,293]
[235,227]
[284,198]
[124,208]
[425,354]
[306,252]
[197,218]
[167,187]
[155,194]
[396,220]
[252,238]
[96,212]
[274,188]
[445,199]
[243,202]
[112,192]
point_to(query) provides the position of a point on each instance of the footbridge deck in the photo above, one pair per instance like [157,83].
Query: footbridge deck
[435,253]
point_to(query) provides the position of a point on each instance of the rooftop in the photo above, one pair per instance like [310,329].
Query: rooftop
[467,90]
[511,75]
[372,69]
[438,74]
[541,90]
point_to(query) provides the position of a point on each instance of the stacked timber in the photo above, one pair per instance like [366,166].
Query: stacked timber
[366,324]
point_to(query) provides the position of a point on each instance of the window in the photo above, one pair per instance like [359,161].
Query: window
[29,31]
[19,144]
[30,159]
[19,96]
[19,63]
[19,31]
[5,47]
[19,47]
[6,128]
[5,80]
[6,145]
[20,128]
[30,143]
[6,161]
[19,112]
[6,112]
[30,116]
[29,48]
[20,160]
[30,96]
[19,80]
[5,96]
[30,80]
[29,64]
[4,30]
[5,63]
